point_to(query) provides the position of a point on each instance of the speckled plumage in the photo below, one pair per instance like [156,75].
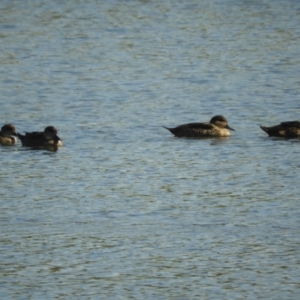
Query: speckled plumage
[289,129]
[8,135]
[41,139]
[217,127]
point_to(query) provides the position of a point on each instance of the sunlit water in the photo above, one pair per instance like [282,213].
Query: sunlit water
[124,210]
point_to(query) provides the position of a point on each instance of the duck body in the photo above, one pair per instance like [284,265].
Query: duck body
[8,135]
[37,139]
[217,127]
[290,129]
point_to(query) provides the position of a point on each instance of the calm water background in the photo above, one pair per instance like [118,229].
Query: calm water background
[124,210]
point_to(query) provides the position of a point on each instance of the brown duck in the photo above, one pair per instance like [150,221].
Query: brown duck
[8,135]
[289,129]
[216,127]
[48,137]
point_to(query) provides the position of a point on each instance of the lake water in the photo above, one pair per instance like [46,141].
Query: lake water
[124,210]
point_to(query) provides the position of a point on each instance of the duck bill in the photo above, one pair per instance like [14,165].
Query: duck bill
[57,138]
[228,127]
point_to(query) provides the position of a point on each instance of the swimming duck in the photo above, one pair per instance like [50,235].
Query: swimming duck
[8,135]
[289,129]
[216,127]
[41,139]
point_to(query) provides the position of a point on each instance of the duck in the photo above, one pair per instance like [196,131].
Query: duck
[48,137]
[290,129]
[8,135]
[216,127]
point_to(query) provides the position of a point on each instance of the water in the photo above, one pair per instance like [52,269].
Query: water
[124,210]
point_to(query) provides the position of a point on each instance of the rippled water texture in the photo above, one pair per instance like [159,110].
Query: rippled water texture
[124,210]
